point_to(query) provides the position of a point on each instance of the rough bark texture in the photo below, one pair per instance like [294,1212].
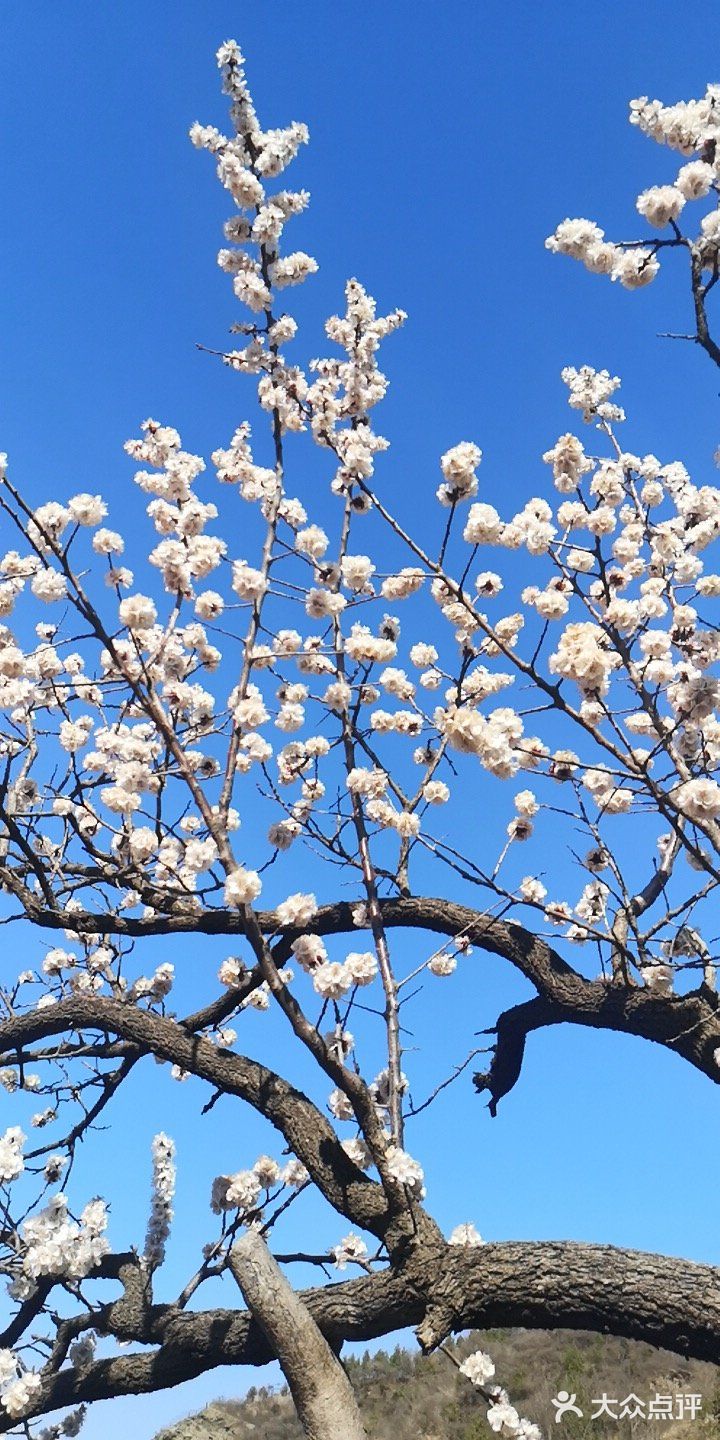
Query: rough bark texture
[436,1287]
[689,1025]
[540,1285]
[323,1396]
[305,1128]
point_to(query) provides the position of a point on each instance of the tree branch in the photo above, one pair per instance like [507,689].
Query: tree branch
[537,1284]
[688,1025]
[324,1398]
[305,1128]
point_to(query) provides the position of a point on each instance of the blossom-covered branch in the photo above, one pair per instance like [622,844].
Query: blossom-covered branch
[296,685]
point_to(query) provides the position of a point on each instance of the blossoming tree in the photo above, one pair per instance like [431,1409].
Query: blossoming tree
[152,726]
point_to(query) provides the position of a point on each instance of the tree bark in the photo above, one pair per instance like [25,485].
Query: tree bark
[323,1396]
[689,1025]
[547,1285]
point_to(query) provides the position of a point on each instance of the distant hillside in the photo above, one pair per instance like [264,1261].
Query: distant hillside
[406,1397]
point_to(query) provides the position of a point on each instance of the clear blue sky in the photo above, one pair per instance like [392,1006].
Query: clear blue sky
[446,142]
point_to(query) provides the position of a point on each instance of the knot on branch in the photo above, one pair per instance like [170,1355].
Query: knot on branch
[132,1316]
[437,1324]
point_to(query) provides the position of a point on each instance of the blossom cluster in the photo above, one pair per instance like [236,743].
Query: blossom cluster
[691,127]
[248,1190]
[502,1417]
[163,1190]
[287,681]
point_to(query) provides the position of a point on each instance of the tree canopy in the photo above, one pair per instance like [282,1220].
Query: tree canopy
[299,671]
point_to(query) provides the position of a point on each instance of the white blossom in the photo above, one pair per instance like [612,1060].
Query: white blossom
[478,1368]
[163,1190]
[465,1235]
[351,1250]
[404,1169]
[11,1156]
[242,887]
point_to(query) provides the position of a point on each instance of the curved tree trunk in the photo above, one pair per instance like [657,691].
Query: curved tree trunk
[324,1398]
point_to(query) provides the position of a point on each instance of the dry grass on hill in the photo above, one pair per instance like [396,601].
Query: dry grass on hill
[406,1397]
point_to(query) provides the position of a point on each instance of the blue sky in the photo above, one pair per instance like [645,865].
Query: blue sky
[446,142]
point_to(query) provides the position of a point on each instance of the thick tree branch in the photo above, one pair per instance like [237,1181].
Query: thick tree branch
[324,1398]
[512,1029]
[688,1025]
[305,1128]
[546,1285]
[699,292]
